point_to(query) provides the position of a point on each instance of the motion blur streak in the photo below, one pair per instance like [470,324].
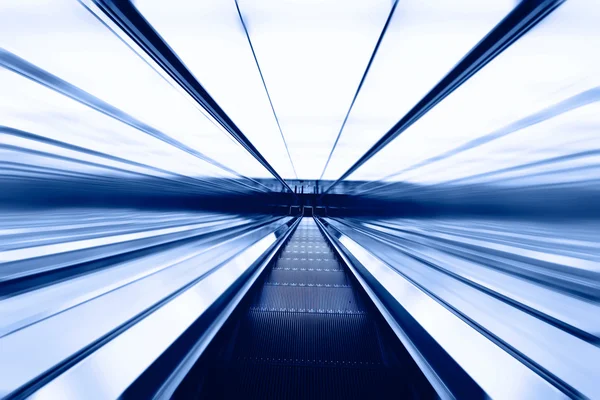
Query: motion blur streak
[279,199]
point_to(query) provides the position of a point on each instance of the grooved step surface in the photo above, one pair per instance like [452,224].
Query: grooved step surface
[307,297]
[297,245]
[307,334]
[289,252]
[308,339]
[335,277]
[308,240]
[284,382]
[303,261]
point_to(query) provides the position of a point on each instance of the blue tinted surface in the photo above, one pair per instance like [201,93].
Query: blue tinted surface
[128,213]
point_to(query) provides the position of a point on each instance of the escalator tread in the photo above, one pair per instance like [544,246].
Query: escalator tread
[323,276]
[293,298]
[311,263]
[308,339]
[307,334]
[288,382]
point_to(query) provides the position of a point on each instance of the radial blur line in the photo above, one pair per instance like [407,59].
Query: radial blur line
[262,78]
[90,177]
[525,16]
[132,23]
[416,307]
[455,255]
[24,68]
[579,100]
[215,270]
[362,81]
[27,135]
[517,168]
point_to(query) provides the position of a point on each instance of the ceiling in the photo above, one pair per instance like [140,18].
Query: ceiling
[312,56]
[313,85]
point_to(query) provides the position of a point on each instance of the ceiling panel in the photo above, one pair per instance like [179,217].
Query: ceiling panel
[66,40]
[313,55]
[424,41]
[531,115]
[209,38]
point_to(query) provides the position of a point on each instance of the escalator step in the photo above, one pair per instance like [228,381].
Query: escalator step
[308,339]
[307,334]
[286,298]
[306,246]
[285,382]
[306,240]
[321,276]
[302,261]
[291,251]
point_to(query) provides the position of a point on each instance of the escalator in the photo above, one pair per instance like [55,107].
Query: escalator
[306,330]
